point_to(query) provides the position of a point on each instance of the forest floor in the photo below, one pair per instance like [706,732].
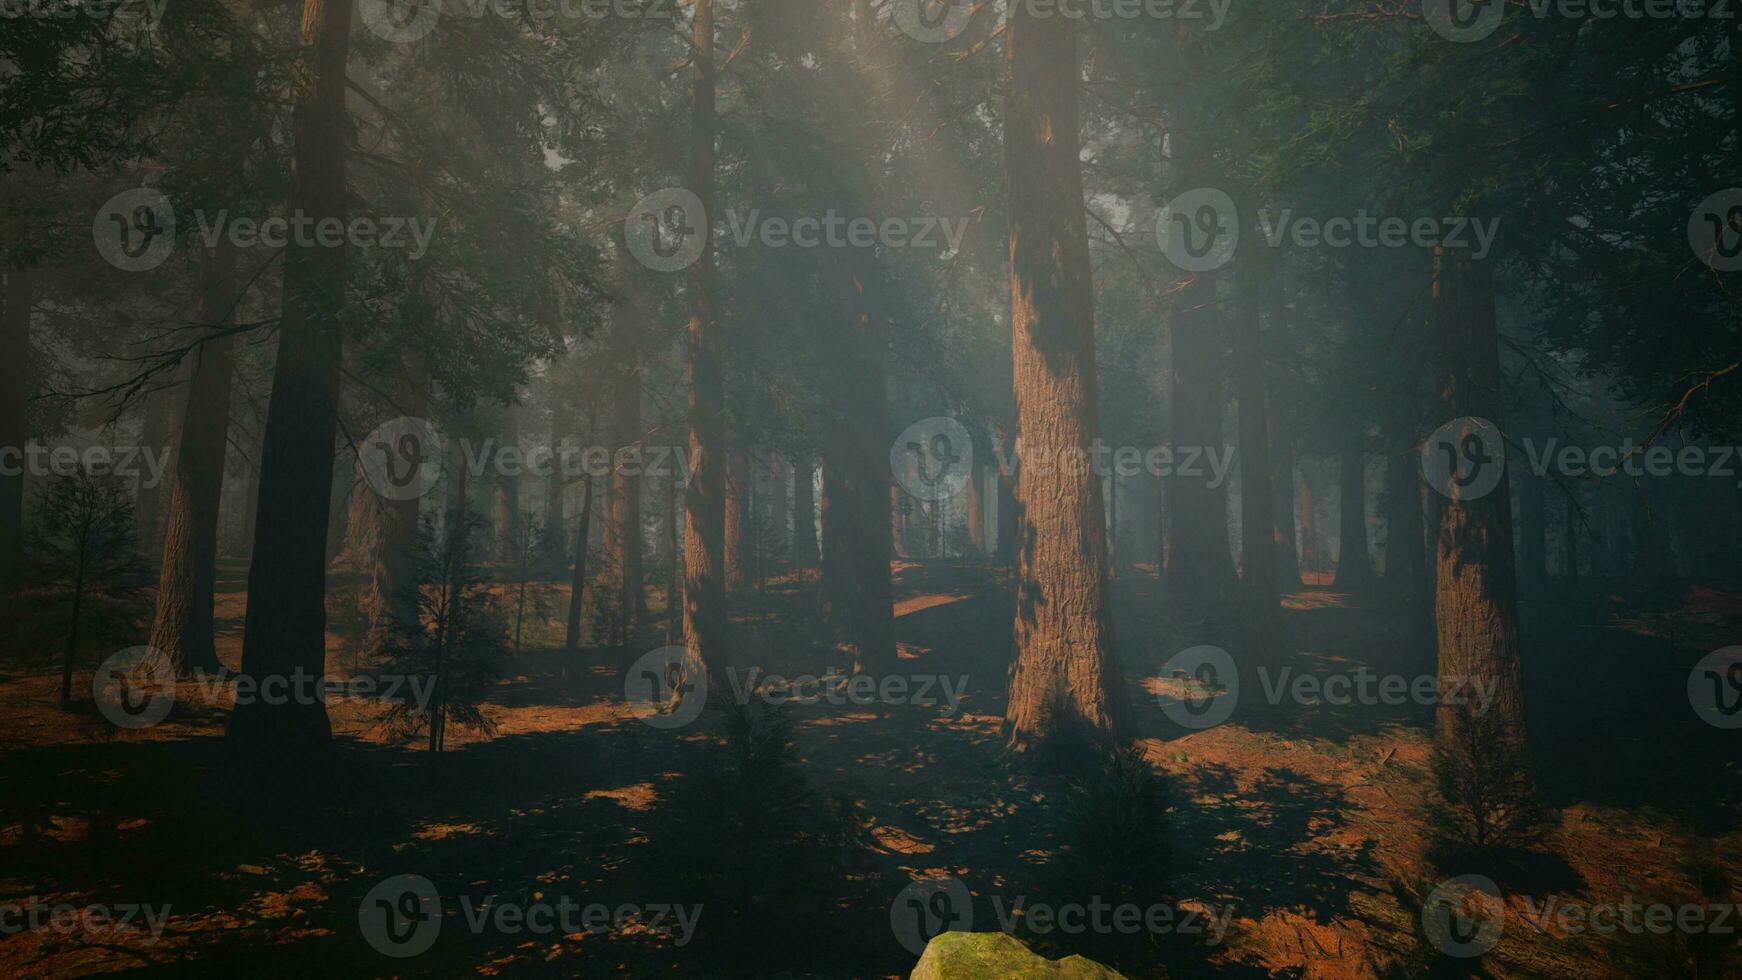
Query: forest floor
[1306,835]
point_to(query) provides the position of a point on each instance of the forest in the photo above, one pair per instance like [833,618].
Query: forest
[934,489]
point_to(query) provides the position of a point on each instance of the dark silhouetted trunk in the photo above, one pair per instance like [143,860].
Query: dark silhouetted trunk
[1354,563]
[738,542]
[182,624]
[14,413]
[1065,682]
[804,513]
[626,495]
[285,632]
[976,516]
[1199,563]
[578,582]
[507,503]
[1257,524]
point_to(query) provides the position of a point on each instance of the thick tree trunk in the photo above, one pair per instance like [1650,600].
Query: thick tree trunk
[898,505]
[738,542]
[804,513]
[1475,602]
[393,588]
[1065,682]
[182,625]
[1354,562]
[856,532]
[14,414]
[1199,563]
[285,632]
[1282,513]
[1309,532]
[704,503]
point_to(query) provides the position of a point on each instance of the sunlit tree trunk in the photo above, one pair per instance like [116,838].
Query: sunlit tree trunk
[704,502]
[285,631]
[182,624]
[1065,680]
[976,516]
[1475,601]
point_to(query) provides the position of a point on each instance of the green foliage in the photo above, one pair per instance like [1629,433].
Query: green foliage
[85,582]
[453,651]
[1485,797]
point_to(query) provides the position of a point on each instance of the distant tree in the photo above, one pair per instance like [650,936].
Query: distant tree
[451,653]
[86,577]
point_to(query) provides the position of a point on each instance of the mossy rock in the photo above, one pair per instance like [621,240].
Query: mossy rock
[997,956]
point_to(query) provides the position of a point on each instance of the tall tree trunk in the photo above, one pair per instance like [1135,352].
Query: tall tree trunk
[1309,532]
[507,503]
[804,513]
[1354,563]
[285,630]
[1475,601]
[14,413]
[1199,563]
[1065,680]
[976,516]
[704,503]
[1282,513]
[578,582]
[182,625]
[673,597]
[898,506]
[737,520]
[626,497]
[1257,524]
[393,587]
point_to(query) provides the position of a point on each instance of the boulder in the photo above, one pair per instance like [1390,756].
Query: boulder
[998,956]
